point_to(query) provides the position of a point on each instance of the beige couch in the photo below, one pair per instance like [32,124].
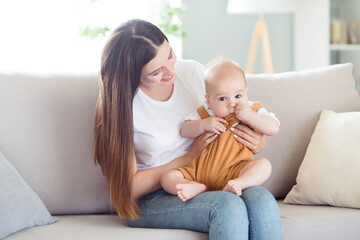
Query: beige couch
[46,124]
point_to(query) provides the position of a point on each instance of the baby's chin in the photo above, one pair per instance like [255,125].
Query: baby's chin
[222,115]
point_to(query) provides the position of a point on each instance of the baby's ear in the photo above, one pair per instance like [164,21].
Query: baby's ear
[207,99]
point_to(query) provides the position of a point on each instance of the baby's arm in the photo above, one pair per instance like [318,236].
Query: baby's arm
[193,128]
[261,123]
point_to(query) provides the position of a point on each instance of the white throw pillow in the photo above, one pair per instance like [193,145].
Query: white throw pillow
[330,171]
[20,206]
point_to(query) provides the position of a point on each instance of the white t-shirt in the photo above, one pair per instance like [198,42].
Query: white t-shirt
[157,124]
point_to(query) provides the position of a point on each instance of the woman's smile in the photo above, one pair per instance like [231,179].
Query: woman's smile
[168,78]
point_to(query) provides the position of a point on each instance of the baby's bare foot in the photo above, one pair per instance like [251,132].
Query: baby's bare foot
[186,191]
[233,186]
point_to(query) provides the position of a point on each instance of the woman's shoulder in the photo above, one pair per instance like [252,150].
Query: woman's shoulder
[188,65]
[191,73]
[189,70]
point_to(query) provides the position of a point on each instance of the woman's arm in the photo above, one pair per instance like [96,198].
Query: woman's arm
[148,181]
[251,139]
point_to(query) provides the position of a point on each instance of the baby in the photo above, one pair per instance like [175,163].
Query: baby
[225,164]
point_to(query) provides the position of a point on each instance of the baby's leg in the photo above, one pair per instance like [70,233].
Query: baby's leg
[174,183]
[255,173]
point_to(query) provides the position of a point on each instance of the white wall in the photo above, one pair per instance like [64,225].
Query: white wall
[312,34]
[211,31]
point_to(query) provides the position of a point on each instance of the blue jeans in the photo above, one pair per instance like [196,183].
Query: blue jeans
[224,215]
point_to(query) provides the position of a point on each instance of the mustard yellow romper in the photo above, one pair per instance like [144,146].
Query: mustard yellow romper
[222,159]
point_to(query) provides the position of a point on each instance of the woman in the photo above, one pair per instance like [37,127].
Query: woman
[141,105]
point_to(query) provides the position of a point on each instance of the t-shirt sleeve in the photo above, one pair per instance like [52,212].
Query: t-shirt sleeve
[264,112]
[196,116]
[193,116]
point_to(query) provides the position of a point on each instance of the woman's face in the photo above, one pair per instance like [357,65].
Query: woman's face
[160,70]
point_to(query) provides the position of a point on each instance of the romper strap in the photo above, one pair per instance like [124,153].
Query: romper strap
[202,112]
[256,106]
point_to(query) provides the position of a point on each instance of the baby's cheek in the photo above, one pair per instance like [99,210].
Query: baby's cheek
[225,112]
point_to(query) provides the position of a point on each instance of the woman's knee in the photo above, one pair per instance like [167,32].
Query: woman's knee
[257,194]
[228,205]
[260,199]
[228,218]
[264,214]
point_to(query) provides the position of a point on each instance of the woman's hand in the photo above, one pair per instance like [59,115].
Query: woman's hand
[251,139]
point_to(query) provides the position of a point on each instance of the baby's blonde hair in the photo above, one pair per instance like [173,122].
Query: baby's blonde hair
[218,63]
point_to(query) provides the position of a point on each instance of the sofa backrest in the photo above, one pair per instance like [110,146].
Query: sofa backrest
[297,99]
[46,127]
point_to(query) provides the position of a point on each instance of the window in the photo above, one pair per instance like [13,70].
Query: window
[44,36]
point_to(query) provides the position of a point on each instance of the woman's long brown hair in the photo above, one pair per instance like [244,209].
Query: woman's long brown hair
[129,48]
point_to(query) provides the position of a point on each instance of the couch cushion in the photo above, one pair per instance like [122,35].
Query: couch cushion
[46,127]
[297,99]
[104,227]
[301,222]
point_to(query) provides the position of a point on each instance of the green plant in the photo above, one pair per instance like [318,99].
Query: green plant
[94,32]
[171,21]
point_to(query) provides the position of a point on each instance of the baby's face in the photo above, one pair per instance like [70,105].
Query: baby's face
[225,92]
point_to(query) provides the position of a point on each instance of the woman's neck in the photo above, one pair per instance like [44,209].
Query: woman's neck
[158,93]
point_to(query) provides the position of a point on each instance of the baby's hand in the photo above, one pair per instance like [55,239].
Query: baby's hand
[243,111]
[214,125]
